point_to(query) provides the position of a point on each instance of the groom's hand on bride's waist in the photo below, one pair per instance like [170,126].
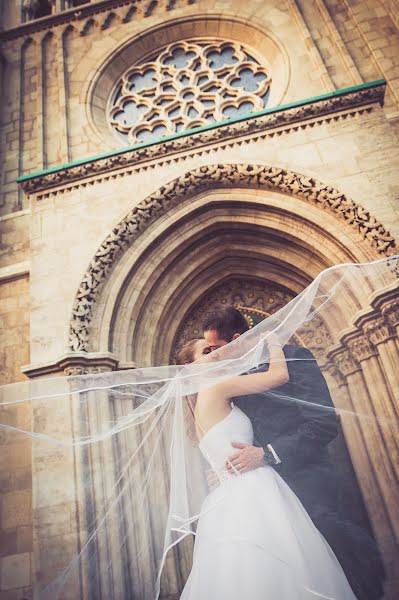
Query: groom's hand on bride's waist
[246,459]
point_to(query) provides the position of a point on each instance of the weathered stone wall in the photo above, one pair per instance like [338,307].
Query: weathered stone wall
[16,534]
[16,538]
[15,334]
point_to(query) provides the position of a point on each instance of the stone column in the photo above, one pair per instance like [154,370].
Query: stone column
[381,335]
[375,403]
[366,444]
[350,393]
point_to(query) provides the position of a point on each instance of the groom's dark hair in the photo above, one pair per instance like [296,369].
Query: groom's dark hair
[227,321]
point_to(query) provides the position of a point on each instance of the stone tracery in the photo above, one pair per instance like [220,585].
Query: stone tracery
[189,84]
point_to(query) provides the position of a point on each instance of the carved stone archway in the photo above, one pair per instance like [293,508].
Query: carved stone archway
[306,189]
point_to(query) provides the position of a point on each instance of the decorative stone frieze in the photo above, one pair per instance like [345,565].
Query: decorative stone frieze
[207,177]
[71,371]
[277,120]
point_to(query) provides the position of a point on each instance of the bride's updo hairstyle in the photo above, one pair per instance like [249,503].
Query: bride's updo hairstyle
[185,354]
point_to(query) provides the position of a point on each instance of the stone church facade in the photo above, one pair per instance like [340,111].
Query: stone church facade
[159,157]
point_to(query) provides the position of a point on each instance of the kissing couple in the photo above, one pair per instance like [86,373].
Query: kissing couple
[265,436]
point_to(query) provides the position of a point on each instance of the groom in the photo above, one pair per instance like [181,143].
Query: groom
[290,435]
[293,425]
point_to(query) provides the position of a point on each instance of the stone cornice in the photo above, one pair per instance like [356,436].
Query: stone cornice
[14,271]
[73,363]
[270,120]
[81,14]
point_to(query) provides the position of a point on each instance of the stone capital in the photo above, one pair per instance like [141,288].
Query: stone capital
[378,330]
[387,304]
[361,347]
[336,374]
[391,312]
[344,361]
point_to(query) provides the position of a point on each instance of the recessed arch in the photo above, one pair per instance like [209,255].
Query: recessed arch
[315,224]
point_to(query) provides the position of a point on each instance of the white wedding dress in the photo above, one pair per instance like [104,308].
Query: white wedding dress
[254,540]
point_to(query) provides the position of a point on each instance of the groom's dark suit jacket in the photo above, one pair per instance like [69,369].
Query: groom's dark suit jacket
[298,421]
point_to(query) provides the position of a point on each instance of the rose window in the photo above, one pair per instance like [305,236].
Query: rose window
[189,84]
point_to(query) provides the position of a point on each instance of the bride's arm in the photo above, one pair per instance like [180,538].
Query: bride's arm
[258,382]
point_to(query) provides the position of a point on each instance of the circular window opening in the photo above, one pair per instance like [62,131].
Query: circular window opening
[187,84]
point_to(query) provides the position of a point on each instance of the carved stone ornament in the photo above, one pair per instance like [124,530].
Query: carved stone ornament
[188,84]
[387,302]
[102,168]
[391,313]
[361,348]
[345,362]
[378,330]
[205,178]
[70,371]
[337,375]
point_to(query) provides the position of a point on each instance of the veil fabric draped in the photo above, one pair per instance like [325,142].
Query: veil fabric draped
[119,481]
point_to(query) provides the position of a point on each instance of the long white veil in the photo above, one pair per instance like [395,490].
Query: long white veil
[119,479]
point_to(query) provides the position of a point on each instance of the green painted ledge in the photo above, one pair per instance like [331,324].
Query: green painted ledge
[240,118]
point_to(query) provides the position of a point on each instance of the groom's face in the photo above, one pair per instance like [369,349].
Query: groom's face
[214,341]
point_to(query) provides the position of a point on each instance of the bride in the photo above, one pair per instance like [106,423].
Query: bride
[254,539]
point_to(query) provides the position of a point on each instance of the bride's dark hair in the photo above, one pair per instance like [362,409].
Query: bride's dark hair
[185,356]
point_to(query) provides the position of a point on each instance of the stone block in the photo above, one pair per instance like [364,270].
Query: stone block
[8,542]
[24,539]
[54,520]
[16,455]
[15,571]
[16,509]
[22,479]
